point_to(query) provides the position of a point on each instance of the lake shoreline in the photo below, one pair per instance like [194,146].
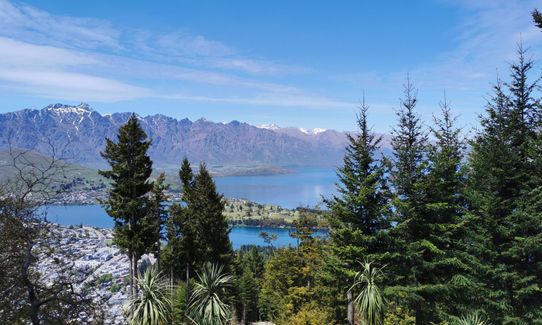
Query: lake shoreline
[95,217]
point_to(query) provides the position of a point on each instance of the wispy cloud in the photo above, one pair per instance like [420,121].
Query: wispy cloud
[485,41]
[71,86]
[281,100]
[38,26]
[184,44]
[46,71]
[77,58]
[32,24]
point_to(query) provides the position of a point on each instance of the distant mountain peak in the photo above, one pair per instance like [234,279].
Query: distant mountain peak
[62,108]
[270,126]
[312,131]
[232,143]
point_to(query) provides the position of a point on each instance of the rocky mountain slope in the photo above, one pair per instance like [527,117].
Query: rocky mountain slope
[233,143]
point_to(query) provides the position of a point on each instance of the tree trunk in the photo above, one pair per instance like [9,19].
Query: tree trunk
[131,276]
[350,312]
[34,315]
[32,296]
[135,271]
[244,313]
[187,291]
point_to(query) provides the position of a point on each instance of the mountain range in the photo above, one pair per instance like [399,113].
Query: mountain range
[233,143]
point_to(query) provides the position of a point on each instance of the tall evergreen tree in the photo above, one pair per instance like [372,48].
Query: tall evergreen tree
[359,212]
[183,248]
[444,282]
[500,191]
[207,206]
[128,200]
[158,213]
[197,228]
[409,179]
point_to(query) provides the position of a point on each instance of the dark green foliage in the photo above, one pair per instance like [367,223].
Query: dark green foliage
[128,201]
[502,192]
[442,285]
[359,212]
[248,295]
[249,268]
[409,144]
[197,230]
[408,175]
[158,214]
[426,266]
[183,249]
[207,206]
[537,17]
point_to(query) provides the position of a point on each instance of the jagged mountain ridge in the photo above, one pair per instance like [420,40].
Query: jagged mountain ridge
[201,140]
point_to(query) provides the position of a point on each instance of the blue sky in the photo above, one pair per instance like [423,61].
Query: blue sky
[293,63]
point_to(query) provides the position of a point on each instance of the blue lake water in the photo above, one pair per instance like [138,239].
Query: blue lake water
[304,187]
[95,216]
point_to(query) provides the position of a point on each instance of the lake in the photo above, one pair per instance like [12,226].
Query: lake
[304,187]
[95,216]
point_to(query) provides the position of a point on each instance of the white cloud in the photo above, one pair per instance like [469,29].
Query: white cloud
[86,59]
[485,41]
[184,44]
[39,26]
[17,53]
[70,86]
[45,71]
[279,100]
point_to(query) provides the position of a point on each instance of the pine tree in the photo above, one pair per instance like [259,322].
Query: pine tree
[207,206]
[521,251]
[359,210]
[158,214]
[248,294]
[442,269]
[183,249]
[249,264]
[128,200]
[501,188]
[408,242]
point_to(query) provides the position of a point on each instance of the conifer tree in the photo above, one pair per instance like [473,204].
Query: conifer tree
[409,180]
[207,207]
[128,200]
[444,282]
[158,213]
[502,185]
[359,211]
[183,248]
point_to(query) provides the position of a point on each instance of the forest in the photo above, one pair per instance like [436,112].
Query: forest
[434,234]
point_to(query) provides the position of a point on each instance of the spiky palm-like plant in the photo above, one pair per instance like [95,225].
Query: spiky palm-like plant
[472,319]
[370,300]
[151,306]
[207,302]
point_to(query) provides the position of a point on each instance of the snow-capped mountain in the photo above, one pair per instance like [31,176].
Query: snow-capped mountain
[216,143]
[275,127]
[312,131]
[271,126]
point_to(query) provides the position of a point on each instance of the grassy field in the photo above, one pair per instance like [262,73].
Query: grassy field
[71,176]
